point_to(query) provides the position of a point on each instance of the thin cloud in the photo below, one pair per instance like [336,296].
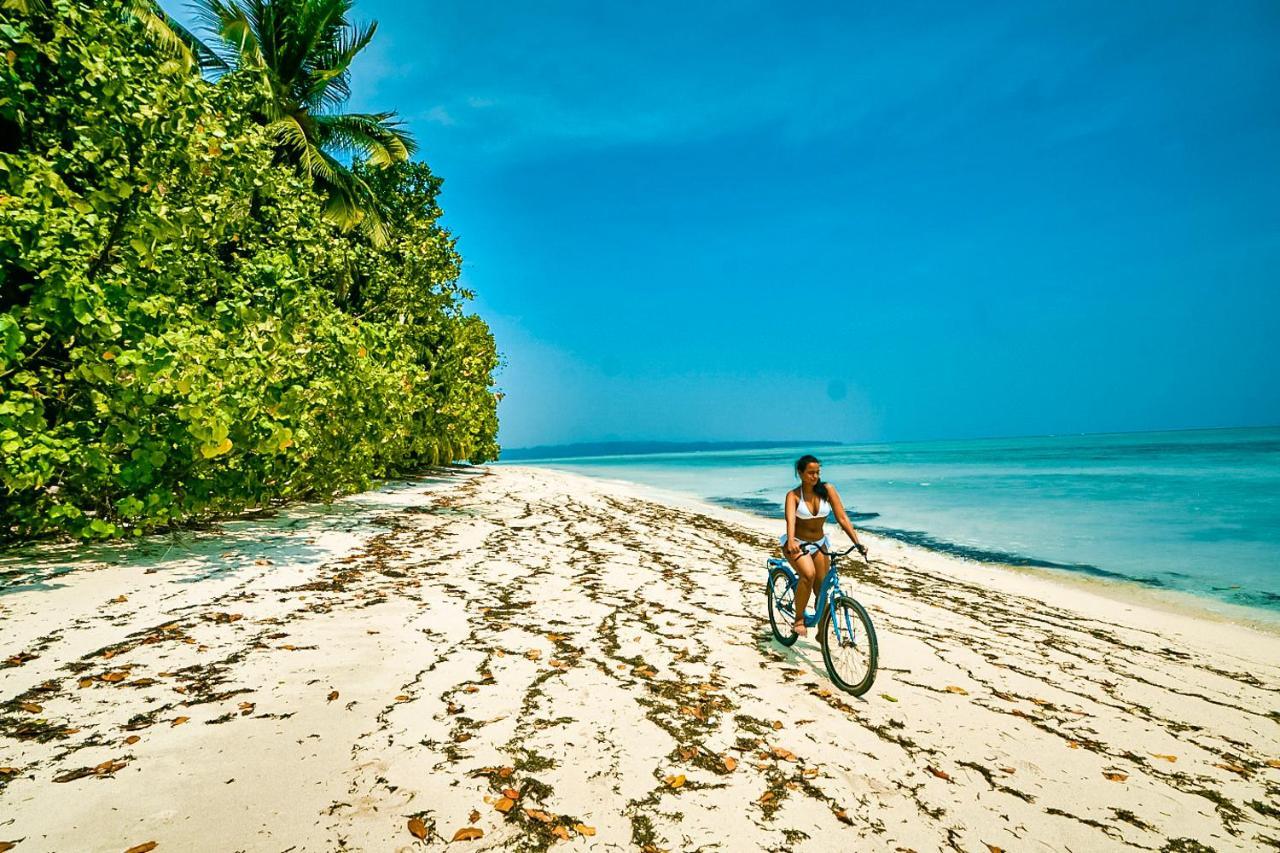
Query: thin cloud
[440,115]
[553,81]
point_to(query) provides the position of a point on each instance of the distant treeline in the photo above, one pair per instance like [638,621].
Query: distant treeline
[638,448]
[217,291]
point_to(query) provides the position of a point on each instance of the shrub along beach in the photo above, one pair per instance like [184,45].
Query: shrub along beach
[203,307]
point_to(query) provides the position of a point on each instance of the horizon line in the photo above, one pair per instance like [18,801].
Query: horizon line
[828,443]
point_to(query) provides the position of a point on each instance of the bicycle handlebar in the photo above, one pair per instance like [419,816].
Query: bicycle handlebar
[861,549]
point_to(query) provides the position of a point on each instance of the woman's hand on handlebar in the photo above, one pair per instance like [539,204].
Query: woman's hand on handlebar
[791,550]
[856,546]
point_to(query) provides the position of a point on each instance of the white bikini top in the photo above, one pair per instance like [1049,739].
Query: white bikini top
[802,507]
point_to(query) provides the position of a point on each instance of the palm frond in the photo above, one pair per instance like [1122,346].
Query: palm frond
[272,24]
[331,87]
[235,27]
[210,15]
[293,32]
[290,133]
[352,205]
[376,137]
[205,55]
[301,51]
[160,29]
[326,89]
[351,40]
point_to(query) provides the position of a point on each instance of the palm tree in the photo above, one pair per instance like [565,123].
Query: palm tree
[301,51]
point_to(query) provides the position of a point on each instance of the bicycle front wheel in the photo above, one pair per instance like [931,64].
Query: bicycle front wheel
[782,607]
[849,647]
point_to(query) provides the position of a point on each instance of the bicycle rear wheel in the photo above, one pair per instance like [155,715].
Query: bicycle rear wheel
[849,647]
[782,606]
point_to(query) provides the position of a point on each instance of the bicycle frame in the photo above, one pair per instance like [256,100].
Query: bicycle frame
[840,635]
[826,593]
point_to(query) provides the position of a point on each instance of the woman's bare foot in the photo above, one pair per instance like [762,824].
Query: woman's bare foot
[801,629]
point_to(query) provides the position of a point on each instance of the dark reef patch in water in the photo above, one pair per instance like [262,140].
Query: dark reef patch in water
[1007,558]
[1172,580]
[1235,594]
[773,509]
[1256,598]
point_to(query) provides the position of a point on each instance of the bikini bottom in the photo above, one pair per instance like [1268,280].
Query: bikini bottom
[807,545]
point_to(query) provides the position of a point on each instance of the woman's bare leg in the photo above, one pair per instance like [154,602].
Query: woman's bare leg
[804,585]
[821,562]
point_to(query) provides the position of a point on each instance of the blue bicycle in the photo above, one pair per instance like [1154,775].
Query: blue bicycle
[845,632]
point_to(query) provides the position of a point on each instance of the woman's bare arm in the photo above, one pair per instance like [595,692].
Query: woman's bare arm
[841,517]
[791,548]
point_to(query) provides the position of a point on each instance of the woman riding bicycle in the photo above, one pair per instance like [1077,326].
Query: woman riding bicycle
[807,508]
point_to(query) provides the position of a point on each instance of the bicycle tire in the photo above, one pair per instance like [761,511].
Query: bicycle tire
[840,605]
[778,619]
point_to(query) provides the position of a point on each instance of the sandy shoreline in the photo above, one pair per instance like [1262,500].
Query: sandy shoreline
[1164,601]
[339,680]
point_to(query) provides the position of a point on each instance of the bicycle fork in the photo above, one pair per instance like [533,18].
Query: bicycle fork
[847,631]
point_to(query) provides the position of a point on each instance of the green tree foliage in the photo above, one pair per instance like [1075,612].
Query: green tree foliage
[183,330]
[299,52]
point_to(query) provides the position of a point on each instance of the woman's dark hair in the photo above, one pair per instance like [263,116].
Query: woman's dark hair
[804,462]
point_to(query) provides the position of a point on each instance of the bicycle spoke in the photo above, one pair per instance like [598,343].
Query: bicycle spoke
[784,596]
[781,607]
[850,654]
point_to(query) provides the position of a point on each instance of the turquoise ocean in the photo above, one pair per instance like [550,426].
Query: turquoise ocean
[1192,511]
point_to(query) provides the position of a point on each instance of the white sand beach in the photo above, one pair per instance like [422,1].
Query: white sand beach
[552,661]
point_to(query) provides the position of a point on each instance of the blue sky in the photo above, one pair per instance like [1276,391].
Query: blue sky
[758,220]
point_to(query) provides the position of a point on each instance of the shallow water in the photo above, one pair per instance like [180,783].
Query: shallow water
[1194,511]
